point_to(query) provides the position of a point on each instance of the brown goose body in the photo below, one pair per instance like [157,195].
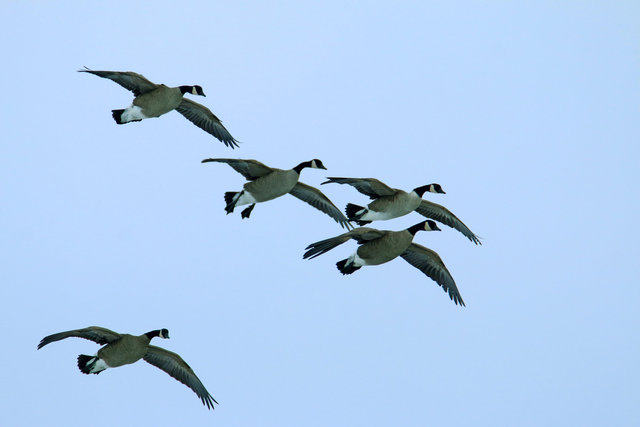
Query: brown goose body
[124,351]
[399,204]
[390,246]
[277,183]
[159,101]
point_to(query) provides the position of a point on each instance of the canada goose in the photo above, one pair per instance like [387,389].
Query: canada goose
[154,100]
[268,183]
[391,203]
[123,349]
[381,246]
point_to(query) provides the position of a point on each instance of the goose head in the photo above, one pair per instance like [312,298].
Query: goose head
[427,225]
[314,164]
[317,164]
[431,188]
[193,90]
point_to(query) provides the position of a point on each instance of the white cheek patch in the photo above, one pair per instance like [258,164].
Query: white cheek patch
[132,113]
[194,91]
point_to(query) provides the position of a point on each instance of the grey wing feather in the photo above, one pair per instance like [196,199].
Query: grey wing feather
[366,234]
[368,186]
[93,333]
[430,263]
[129,80]
[360,234]
[175,366]
[445,216]
[318,200]
[202,117]
[250,169]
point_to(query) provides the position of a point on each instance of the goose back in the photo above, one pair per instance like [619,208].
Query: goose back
[399,204]
[128,349]
[159,101]
[276,184]
[386,248]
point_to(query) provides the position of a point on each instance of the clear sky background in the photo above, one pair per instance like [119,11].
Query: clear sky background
[525,112]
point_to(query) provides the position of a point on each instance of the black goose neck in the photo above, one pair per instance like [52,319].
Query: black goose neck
[186,89]
[415,228]
[301,166]
[421,190]
[153,334]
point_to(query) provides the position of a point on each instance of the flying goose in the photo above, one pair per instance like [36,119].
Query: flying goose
[381,246]
[266,183]
[391,203]
[154,100]
[123,349]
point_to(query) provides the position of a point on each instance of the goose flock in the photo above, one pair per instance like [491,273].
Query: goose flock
[266,183]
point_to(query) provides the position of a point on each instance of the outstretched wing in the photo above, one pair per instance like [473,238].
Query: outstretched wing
[367,186]
[429,263]
[94,333]
[202,117]
[136,83]
[250,169]
[360,234]
[445,216]
[318,200]
[173,365]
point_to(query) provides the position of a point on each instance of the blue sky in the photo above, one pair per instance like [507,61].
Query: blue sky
[526,114]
